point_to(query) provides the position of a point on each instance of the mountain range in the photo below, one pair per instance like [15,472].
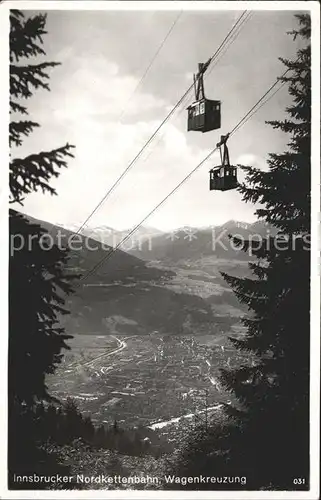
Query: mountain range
[169,282]
[149,244]
[130,295]
[193,244]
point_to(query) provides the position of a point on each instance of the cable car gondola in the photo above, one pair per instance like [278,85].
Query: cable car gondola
[203,114]
[224,176]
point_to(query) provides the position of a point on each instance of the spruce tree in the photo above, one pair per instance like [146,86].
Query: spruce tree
[73,421]
[37,279]
[33,172]
[264,434]
[38,283]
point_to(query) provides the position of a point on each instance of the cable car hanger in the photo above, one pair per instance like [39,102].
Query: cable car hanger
[223,177]
[199,81]
[225,158]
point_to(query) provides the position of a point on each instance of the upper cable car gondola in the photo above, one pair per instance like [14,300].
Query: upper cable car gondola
[203,114]
[224,176]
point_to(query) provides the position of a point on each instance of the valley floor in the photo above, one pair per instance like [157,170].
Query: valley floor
[143,380]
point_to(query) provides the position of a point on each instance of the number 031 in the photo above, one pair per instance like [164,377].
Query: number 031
[298,480]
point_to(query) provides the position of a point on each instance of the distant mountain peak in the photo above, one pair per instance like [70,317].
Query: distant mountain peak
[235,223]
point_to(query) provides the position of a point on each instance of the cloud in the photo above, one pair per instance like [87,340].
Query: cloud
[104,56]
[95,88]
[251,160]
[87,110]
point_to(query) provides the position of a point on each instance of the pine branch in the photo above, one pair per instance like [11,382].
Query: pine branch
[259,269]
[24,35]
[305,27]
[16,129]
[291,127]
[33,172]
[25,79]
[17,108]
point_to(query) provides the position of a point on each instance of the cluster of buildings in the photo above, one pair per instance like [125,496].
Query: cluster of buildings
[153,380]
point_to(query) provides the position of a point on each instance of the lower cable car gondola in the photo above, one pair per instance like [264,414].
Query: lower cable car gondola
[203,114]
[224,176]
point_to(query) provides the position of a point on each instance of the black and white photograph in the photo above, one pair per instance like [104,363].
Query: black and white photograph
[160,211]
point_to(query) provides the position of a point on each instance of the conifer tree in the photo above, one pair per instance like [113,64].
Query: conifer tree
[74,424]
[33,172]
[38,282]
[265,433]
[37,279]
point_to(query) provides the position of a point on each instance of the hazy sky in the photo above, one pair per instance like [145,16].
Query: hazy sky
[104,55]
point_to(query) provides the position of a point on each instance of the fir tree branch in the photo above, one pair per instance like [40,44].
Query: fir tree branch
[33,172]
[17,129]
[24,78]
[17,108]
[24,34]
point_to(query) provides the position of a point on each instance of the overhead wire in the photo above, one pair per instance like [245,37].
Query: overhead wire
[151,63]
[165,120]
[230,41]
[207,74]
[249,113]
[262,104]
[139,84]
[241,123]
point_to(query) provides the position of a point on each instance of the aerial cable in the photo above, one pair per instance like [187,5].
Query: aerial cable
[242,122]
[140,83]
[230,42]
[220,55]
[131,164]
[261,105]
[151,63]
[253,110]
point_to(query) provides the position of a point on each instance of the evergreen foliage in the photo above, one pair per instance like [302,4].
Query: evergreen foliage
[34,172]
[37,279]
[63,423]
[265,433]
[38,283]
